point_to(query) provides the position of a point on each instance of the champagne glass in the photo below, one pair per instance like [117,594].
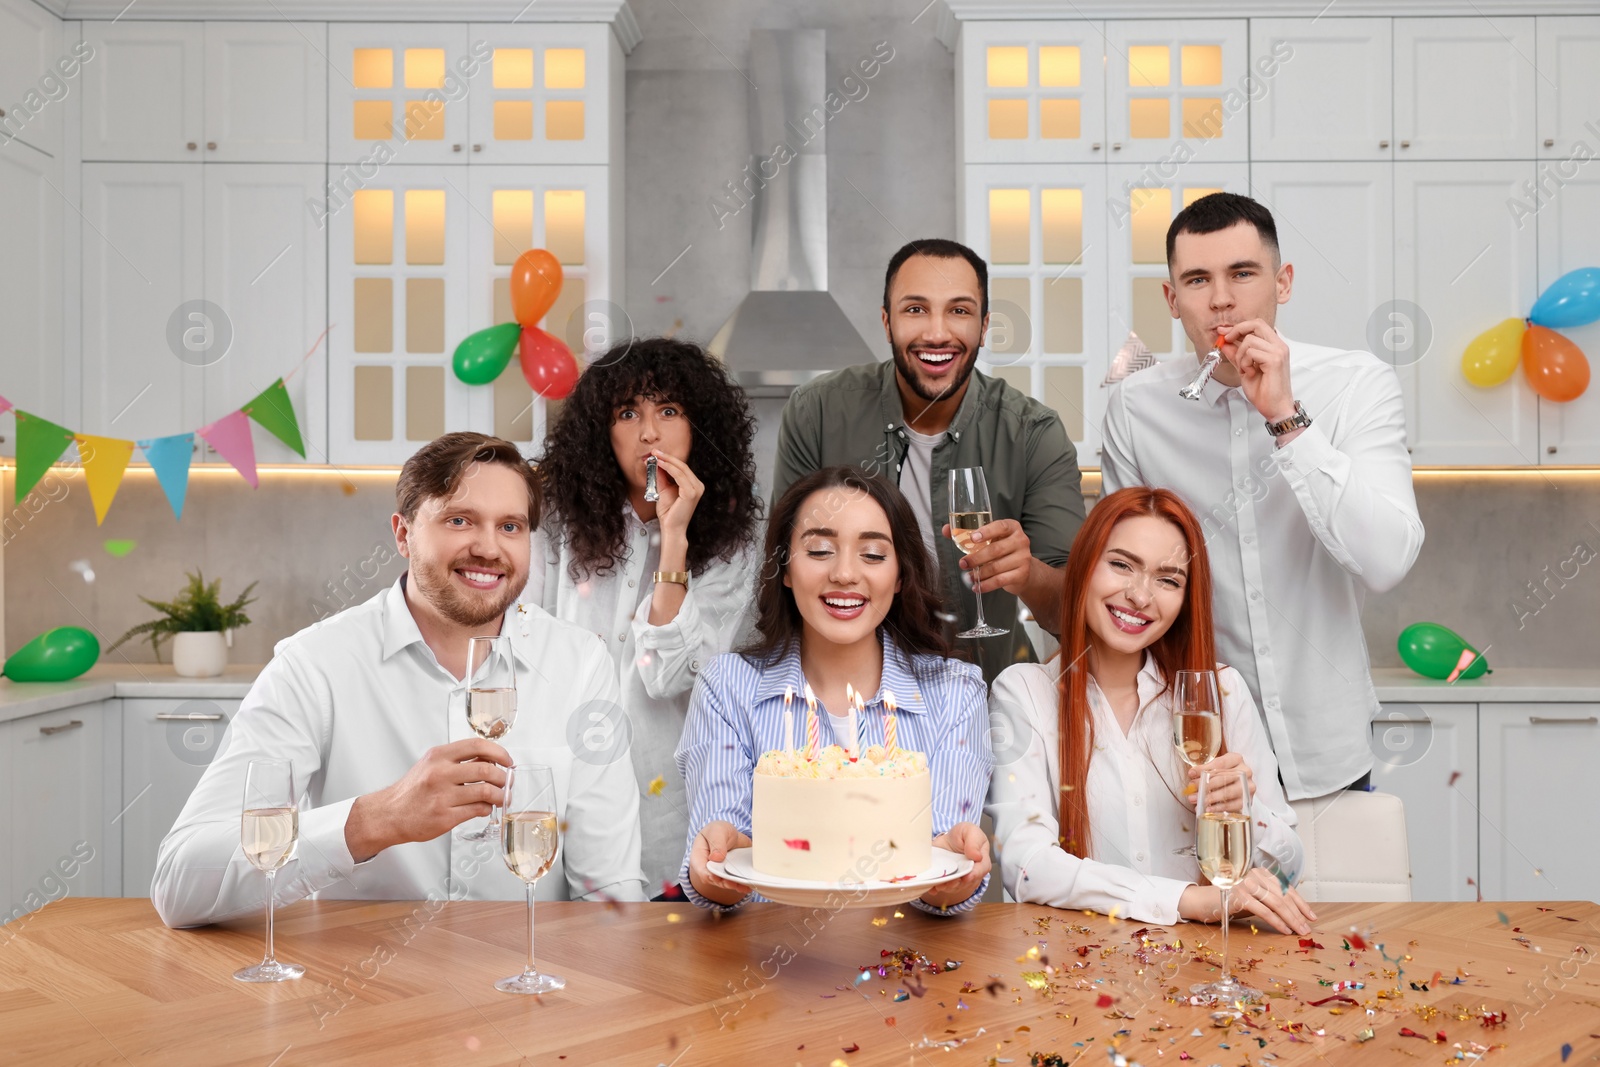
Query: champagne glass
[530,838]
[1224,843]
[269,829]
[1196,725]
[969,510]
[489,694]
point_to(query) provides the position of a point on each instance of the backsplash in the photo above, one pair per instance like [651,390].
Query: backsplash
[1509,561]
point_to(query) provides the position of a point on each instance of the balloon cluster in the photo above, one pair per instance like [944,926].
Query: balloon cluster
[1556,368]
[547,363]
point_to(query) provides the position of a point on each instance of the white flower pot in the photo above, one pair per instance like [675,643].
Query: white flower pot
[200,654]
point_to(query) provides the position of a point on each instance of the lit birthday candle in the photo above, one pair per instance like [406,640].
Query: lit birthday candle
[788,719]
[812,734]
[891,726]
[858,713]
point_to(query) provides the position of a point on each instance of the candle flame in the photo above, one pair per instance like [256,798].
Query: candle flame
[888,700]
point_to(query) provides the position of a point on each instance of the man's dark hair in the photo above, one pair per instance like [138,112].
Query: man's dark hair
[1218,211]
[940,248]
[436,470]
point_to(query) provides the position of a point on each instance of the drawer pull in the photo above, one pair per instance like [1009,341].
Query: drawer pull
[73,725]
[193,716]
[1402,722]
[1539,720]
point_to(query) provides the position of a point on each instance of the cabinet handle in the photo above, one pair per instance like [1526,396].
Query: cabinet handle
[73,725]
[455,148]
[211,145]
[2,112]
[1383,144]
[477,148]
[1541,720]
[1095,147]
[1551,449]
[1405,144]
[193,716]
[1549,142]
[192,146]
[1116,146]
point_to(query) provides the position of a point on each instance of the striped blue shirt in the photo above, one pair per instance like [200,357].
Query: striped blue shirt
[736,715]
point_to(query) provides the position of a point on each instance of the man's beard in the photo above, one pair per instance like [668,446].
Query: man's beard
[436,587]
[908,366]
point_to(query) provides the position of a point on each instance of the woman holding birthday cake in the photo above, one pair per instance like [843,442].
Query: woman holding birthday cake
[1092,805]
[783,742]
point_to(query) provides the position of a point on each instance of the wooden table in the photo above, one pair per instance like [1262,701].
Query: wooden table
[102,982]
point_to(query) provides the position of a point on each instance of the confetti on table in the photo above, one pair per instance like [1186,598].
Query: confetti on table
[1453,776]
[658,785]
[1566,1050]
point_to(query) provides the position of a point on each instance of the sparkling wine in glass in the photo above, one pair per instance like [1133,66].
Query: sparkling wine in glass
[1224,844]
[969,510]
[530,839]
[1196,717]
[269,829]
[489,693]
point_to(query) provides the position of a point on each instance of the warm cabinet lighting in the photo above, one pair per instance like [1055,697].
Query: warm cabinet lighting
[1009,218]
[1061,212]
[1152,215]
[513,120]
[374,225]
[1149,66]
[564,68]
[1059,66]
[1008,66]
[1202,64]
[513,68]
[513,224]
[424,68]
[563,120]
[563,224]
[373,68]
[425,226]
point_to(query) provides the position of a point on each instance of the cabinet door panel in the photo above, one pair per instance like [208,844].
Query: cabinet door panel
[1177,90]
[1538,805]
[400,91]
[1036,92]
[266,268]
[1428,757]
[1464,88]
[1569,58]
[30,287]
[1331,96]
[142,252]
[167,745]
[56,794]
[266,95]
[541,94]
[30,79]
[1568,210]
[144,96]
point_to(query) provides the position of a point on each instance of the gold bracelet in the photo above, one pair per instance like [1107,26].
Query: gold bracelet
[676,577]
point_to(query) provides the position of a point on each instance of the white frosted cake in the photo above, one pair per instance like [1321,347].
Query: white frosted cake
[834,819]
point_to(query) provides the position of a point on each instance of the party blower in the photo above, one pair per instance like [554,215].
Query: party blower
[1207,367]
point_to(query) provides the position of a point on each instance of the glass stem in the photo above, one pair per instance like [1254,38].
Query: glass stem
[271,878]
[531,968]
[976,583]
[1225,924]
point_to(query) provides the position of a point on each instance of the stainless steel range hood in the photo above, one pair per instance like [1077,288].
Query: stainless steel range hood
[788,329]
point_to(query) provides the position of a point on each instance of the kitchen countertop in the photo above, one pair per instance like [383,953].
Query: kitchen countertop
[107,680]
[1503,685]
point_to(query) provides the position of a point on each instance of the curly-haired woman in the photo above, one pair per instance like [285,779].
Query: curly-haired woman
[667,583]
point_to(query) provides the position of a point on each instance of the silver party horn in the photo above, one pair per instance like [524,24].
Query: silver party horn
[651,495]
[1208,366]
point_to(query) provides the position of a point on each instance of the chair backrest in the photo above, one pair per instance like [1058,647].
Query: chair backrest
[1356,848]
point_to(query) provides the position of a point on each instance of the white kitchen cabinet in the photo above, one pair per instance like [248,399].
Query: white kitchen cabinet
[167,745]
[399,277]
[1568,59]
[144,95]
[547,93]
[142,250]
[1330,96]
[401,89]
[1464,88]
[56,783]
[32,85]
[266,268]
[1428,757]
[185,91]
[1036,92]
[31,287]
[1177,89]
[266,92]
[1537,801]
[1463,259]
[1333,224]
[1038,226]
[1568,221]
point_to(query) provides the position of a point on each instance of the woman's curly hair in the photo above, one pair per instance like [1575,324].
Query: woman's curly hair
[584,486]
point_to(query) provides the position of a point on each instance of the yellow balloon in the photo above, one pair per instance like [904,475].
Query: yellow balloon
[1491,357]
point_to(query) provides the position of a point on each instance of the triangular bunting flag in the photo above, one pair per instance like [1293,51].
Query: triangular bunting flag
[40,443]
[5,405]
[104,461]
[1132,356]
[230,435]
[272,410]
[169,457]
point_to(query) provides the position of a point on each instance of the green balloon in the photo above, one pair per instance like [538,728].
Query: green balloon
[54,656]
[481,356]
[1433,651]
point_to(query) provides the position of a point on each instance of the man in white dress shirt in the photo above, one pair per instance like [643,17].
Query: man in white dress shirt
[1294,459]
[387,767]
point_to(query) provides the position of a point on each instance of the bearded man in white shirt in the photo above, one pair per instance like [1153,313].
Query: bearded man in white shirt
[361,704]
[1294,459]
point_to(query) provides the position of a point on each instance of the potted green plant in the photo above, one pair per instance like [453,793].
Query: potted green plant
[200,625]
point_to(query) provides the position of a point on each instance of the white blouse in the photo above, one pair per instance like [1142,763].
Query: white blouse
[656,665]
[1134,790]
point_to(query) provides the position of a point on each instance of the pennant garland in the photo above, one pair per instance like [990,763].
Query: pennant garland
[230,436]
[5,405]
[1132,356]
[169,457]
[40,443]
[271,411]
[104,461]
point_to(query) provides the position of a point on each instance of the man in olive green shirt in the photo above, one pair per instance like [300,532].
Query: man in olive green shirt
[926,412]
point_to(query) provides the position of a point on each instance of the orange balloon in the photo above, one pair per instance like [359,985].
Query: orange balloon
[1556,368]
[535,283]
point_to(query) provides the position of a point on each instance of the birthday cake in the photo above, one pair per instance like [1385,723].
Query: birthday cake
[830,818]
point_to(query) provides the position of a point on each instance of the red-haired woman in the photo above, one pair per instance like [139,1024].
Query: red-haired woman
[1089,795]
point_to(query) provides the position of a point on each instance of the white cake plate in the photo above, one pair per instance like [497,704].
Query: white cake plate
[802,893]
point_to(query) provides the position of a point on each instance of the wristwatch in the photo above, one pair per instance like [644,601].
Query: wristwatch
[676,577]
[1293,422]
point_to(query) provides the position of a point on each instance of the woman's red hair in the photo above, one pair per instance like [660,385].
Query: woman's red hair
[1189,644]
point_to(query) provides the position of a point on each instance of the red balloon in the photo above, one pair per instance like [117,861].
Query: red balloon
[1556,368]
[535,284]
[547,364]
